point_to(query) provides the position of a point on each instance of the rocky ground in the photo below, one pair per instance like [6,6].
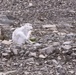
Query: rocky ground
[54,34]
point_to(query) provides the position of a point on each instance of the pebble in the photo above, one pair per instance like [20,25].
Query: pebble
[0,32]
[49,26]
[4,54]
[56,43]
[30,4]
[4,20]
[15,51]
[52,27]
[61,33]
[54,61]
[66,47]
[67,42]
[60,70]
[47,50]
[33,54]
[71,71]
[37,45]
[26,73]
[6,42]
[42,56]
[15,64]
[8,51]
[4,59]
[1,68]
[30,60]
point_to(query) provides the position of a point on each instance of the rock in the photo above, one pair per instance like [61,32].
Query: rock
[5,21]
[32,54]
[71,34]
[59,58]
[71,72]
[56,43]
[15,51]
[30,60]
[4,59]
[36,45]
[26,73]
[1,68]
[6,42]
[49,26]
[60,70]
[0,32]
[54,61]
[42,56]
[5,54]
[30,4]
[8,51]
[67,42]
[66,47]
[52,27]
[47,50]
[5,32]
[15,64]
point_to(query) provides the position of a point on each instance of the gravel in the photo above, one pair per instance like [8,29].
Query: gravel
[54,35]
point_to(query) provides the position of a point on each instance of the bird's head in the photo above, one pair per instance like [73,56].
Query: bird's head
[28,26]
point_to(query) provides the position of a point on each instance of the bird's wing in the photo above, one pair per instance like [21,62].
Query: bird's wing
[21,34]
[28,35]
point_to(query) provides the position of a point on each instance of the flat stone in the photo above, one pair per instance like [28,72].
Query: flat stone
[30,60]
[30,4]
[42,56]
[37,45]
[15,51]
[54,61]
[26,73]
[4,54]
[32,54]
[1,68]
[6,42]
[49,26]
[47,50]
[67,42]
[52,27]
[66,47]
[56,43]
[71,71]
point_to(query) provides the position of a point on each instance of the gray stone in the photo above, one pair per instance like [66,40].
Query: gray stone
[26,73]
[66,46]
[67,42]
[71,71]
[47,50]
[32,54]
[30,60]
[55,61]
[1,68]
[6,42]
[42,56]
[8,51]
[15,51]
[5,54]
[56,43]
[5,21]
[60,70]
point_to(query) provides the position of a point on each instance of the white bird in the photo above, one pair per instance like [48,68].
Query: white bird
[22,34]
